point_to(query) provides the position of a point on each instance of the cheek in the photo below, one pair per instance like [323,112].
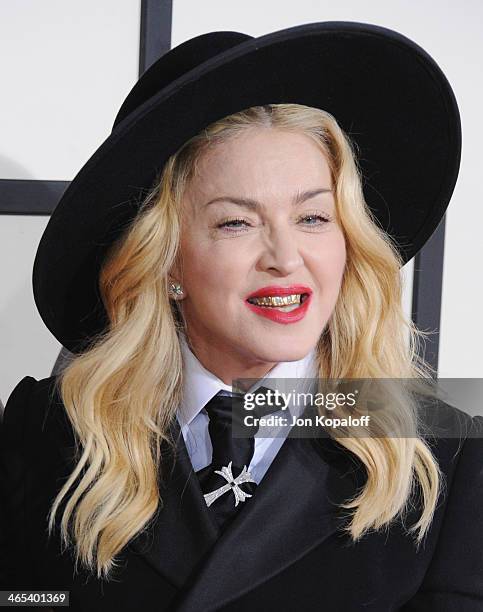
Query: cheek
[340,259]
[211,272]
[331,261]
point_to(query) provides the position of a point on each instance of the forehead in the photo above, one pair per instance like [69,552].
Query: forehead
[262,162]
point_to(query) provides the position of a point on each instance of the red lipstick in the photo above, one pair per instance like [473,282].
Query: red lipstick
[272,313]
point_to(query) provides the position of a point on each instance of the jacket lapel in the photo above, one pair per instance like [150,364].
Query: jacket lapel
[262,541]
[183,530]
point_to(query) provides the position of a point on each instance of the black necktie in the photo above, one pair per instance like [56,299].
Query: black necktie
[226,449]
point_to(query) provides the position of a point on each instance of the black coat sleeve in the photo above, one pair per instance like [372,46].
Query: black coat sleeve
[12,478]
[454,580]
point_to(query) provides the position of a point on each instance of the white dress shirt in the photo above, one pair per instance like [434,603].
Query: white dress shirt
[200,385]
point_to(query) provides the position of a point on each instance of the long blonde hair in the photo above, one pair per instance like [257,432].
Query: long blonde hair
[122,393]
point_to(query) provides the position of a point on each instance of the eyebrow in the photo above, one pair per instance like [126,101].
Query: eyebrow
[252,204]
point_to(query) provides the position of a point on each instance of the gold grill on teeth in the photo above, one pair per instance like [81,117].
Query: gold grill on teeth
[277,300]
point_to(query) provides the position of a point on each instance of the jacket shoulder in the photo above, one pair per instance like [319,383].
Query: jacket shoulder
[449,584]
[34,407]
[446,428]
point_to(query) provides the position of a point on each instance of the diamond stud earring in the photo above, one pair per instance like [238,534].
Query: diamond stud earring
[176,289]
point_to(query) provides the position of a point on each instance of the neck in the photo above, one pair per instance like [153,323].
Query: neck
[231,366]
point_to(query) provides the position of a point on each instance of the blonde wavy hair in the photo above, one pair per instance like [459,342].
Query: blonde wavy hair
[122,393]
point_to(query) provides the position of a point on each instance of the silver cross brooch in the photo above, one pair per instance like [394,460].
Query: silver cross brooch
[231,483]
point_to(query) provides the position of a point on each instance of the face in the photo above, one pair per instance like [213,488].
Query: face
[259,214]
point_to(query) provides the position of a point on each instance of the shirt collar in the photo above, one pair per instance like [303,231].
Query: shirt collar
[200,385]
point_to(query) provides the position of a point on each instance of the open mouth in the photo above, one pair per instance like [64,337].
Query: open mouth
[284,303]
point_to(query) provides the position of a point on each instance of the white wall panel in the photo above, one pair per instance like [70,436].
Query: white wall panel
[65,68]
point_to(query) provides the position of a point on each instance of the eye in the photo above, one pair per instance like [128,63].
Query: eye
[229,223]
[321,218]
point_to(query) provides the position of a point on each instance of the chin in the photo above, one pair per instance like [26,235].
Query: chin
[275,352]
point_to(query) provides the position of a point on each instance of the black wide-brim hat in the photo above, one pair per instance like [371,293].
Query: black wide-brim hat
[385,92]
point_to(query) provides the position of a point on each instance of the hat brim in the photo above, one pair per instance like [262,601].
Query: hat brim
[386,93]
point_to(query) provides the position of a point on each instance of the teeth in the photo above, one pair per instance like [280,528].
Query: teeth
[276,300]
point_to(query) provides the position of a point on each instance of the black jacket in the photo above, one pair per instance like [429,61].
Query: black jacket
[285,550]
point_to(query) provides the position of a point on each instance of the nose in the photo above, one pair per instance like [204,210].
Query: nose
[281,252]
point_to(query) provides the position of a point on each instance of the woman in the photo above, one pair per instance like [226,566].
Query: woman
[109,468]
